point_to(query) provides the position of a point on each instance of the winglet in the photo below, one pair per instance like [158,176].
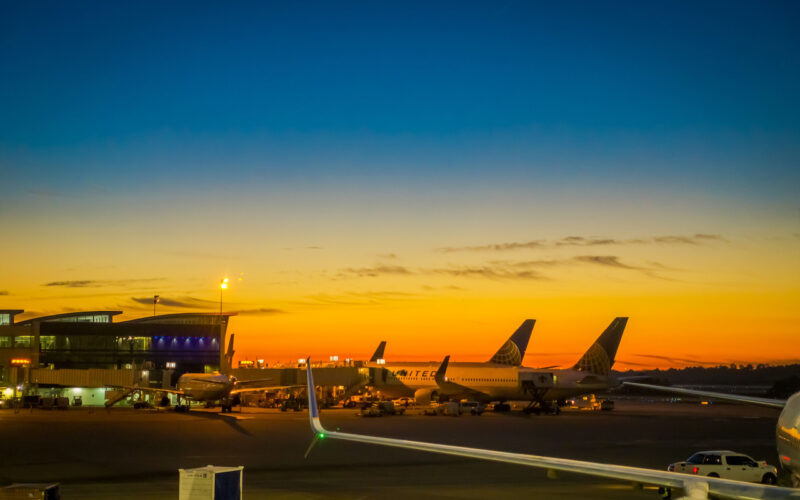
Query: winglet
[313,408]
[378,352]
[441,373]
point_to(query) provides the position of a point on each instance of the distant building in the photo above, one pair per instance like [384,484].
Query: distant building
[169,343]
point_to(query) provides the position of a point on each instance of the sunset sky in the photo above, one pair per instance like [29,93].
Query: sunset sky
[426,173]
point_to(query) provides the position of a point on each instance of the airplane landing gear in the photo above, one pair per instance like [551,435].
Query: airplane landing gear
[502,407]
[538,405]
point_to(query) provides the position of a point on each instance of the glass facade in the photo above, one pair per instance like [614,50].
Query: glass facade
[23,341]
[5,319]
[88,318]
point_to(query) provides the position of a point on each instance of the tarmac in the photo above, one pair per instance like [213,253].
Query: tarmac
[132,454]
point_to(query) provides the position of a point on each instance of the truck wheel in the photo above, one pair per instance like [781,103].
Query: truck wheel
[769,478]
[713,474]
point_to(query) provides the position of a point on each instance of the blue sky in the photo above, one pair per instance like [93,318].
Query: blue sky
[325,153]
[275,92]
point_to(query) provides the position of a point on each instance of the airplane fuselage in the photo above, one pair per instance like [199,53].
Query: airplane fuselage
[205,386]
[486,382]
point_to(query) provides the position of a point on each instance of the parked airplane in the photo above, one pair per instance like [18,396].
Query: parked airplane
[418,379]
[222,388]
[787,431]
[694,487]
[492,381]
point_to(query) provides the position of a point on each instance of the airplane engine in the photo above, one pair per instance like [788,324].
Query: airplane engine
[425,396]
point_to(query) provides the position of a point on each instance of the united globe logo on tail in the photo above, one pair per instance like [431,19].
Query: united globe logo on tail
[600,357]
[512,352]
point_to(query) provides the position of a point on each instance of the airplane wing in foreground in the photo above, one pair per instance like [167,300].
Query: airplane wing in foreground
[772,403]
[693,487]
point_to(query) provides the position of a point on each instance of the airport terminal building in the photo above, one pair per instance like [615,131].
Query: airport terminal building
[89,348]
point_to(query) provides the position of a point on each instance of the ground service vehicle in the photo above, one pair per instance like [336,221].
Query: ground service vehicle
[471,407]
[727,465]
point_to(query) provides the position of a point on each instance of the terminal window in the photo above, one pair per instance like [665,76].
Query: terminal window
[88,318]
[23,341]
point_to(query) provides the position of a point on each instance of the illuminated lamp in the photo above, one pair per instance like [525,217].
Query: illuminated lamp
[20,361]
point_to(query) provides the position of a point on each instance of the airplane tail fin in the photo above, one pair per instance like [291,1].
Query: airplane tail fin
[378,352]
[513,350]
[600,357]
[229,356]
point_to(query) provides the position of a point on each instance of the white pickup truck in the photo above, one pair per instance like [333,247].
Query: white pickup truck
[727,465]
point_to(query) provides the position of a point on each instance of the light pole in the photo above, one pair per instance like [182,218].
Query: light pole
[155,301]
[223,285]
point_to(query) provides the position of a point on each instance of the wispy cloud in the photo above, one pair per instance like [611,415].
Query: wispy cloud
[261,311]
[588,241]
[99,283]
[525,264]
[495,247]
[697,239]
[674,360]
[73,283]
[3,292]
[375,271]
[448,287]
[491,272]
[606,260]
[182,302]
[387,255]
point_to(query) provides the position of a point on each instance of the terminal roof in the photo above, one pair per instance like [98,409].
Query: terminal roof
[63,316]
[181,317]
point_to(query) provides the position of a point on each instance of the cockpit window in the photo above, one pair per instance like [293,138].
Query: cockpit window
[697,458]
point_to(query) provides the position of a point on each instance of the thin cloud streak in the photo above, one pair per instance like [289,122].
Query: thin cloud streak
[496,247]
[582,241]
[183,302]
[496,273]
[375,271]
[261,311]
[99,283]
[673,360]
[606,260]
